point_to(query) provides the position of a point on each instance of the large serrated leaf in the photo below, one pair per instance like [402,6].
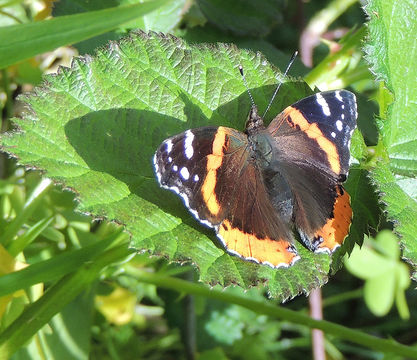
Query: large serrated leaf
[392,48]
[95,128]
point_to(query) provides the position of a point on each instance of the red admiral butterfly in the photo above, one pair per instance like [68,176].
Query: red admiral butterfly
[262,188]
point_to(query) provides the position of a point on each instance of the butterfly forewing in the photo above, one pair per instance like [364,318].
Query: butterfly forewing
[181,166]
[329,117]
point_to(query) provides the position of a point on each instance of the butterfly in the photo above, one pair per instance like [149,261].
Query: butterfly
[263,189]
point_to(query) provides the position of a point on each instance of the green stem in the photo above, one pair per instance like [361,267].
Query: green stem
[360,73]
[190,331]
[355,336]
[20,243]
[318,24]
[40,312]
[7,14]
[322,20]
[10,3]
[320,73]
[348,295]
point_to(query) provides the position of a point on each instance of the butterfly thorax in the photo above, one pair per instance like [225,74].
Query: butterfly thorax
[260,142]
[265,155]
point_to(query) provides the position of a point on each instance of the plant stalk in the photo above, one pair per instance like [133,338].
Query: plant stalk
[355,336]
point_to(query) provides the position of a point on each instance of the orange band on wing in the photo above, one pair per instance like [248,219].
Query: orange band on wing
[275,253]
[214,161]
[313,132]
[336,229]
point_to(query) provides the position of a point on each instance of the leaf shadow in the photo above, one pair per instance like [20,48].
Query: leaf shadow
[121,142]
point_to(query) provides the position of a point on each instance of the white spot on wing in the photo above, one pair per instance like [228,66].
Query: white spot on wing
[339,125]
[188,144]
[196,178]
[169,159]
[333,134]
[175,168]
[343,116]
[323,103]
[169,146]
[338,97]
[185,173]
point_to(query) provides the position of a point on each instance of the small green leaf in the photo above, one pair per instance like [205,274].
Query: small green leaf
[358,147]
[403,282]
[379,293]
[388,245]
[365,263]
[386,277]
[225,327]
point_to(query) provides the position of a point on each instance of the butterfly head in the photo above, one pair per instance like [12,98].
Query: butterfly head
[254,121]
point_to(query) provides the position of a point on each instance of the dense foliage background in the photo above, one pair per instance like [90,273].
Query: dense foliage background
[96,261]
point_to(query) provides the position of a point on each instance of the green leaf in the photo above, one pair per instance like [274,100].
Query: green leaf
[225,327]
[55,267]
[391,47]
[364,202]
[243,17]
[96,126]
[379,293]
[386,277]
[67,335]
[34,317]
[164,19]
[37,37]
[402,210]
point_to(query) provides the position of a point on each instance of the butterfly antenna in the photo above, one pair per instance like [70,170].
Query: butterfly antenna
[279,85]
[246,85]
